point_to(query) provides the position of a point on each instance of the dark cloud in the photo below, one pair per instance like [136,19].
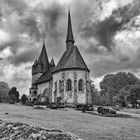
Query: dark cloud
[36,22]
[30,26]
[105,30]
[51,19]
[94,37]
[111,64]
[25,56]
[14,5]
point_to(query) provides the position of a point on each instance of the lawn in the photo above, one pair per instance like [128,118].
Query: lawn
[84,125]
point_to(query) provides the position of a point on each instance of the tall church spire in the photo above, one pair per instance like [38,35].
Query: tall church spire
[70,39]
[43,59]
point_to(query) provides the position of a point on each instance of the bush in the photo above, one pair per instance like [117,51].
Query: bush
[24,99]
[102,110]
[28,103]
[36,103]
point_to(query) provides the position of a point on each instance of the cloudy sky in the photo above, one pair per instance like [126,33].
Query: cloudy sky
[107,33]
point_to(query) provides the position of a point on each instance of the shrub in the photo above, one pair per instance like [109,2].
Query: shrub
[28,103]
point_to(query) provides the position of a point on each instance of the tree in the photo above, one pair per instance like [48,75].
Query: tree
[113,83]
[12,98]
[14,94]
[4,89]
[24,99]
[131,94]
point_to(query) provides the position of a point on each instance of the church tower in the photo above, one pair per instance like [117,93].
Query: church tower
[39,67]
[71,82]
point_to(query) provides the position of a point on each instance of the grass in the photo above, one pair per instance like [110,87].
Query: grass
[87,126]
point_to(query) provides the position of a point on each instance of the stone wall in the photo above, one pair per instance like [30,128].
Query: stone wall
[42,86]
[74,96]
[45,89]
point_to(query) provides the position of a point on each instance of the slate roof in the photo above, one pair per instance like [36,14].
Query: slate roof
[42,64]
[47,76]
[69,37]
[43,59]
[52,62]
[71,59]
[35,63]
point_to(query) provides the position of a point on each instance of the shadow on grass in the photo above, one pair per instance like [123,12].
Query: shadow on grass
[118,115]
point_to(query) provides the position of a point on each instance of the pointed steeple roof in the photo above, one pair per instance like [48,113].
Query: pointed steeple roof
[69,39]
[52,62]
[35,63]
[43,59]
[71,60]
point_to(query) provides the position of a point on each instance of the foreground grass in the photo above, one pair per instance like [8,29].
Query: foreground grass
[87,126]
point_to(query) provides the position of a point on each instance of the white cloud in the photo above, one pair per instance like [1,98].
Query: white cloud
[18,76]
[4,36]
[111,5]
[5,53]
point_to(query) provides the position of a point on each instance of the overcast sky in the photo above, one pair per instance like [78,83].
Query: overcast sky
[107,33]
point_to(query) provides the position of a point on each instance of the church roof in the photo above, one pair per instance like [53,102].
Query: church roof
[47,76]
[35,63]
[43,59]
[71,59]
[52,62]
[69,37]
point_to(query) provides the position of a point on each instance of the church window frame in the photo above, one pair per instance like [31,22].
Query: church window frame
[80,85]
[69,85]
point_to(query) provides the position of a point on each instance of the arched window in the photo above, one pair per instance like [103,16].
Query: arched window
[69,85]
[80,85]
[35,92]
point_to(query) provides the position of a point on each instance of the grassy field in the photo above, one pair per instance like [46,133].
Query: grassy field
[84,125]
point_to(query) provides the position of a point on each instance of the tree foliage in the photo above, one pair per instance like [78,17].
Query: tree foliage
[14,94]
[4,89]
[131,93]
[115,84]
[24,98]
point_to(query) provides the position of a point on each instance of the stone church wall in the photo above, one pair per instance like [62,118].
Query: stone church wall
[74,96]
[45,89]
[42,86]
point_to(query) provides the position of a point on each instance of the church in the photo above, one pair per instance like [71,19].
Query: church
[67,82]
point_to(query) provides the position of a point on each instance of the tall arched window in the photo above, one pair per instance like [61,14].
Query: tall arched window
[80,85]
[69,85]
